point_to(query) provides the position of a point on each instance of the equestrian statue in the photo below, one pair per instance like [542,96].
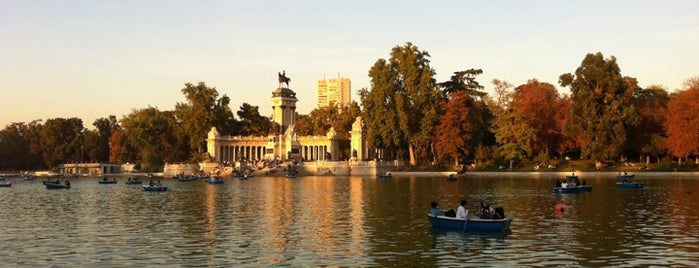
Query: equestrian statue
[283,79]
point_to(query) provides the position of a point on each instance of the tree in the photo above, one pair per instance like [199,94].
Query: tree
[603,110]
[154,137]
[513,135]
[682,125]
[60,140]
[202,111]
[650,104]
[251,122]
[16,142]
[95,145]
[464,81]
[457,134]
[536,104]
[406,81]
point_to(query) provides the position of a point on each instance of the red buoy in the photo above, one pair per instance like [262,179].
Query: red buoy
[559,208]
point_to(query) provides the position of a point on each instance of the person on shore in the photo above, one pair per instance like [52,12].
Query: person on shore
[434,210]
[461,211]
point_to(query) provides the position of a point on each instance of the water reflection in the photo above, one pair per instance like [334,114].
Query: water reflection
[346,221]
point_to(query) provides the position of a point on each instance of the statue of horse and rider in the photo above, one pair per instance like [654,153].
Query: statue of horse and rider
[284,79]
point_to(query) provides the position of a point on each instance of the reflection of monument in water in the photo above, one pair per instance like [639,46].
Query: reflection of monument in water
[317,154]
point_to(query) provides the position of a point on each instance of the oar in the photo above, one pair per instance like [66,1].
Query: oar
[465,221]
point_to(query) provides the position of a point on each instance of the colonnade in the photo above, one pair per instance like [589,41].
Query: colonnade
[234,153]
[314,152]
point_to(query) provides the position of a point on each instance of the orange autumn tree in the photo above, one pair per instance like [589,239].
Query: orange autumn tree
[456,135]
[682,124]
[537,104]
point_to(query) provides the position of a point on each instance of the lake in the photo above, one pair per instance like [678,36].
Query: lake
[347,222]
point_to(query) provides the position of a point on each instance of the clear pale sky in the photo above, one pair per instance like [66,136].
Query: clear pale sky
[91,59]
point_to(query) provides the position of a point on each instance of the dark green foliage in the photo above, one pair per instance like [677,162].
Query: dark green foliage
[603,110]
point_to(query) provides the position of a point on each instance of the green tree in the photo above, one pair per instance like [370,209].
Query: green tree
[154,136]
[464,81]
[650,104]
[16,147]
[202,111]
[603,110]
[95,145]
[405,80]
[251,122]
[512,133]
[60,140]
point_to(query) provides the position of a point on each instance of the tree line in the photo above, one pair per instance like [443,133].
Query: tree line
[407,115]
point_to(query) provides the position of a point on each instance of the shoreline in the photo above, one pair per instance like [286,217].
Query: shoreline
[537,174]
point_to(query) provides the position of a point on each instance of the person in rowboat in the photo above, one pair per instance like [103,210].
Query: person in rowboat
[434,210]
[461,211]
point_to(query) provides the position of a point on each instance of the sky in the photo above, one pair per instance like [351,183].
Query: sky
[91,59]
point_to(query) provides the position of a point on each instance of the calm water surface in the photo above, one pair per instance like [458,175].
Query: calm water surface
[346,221]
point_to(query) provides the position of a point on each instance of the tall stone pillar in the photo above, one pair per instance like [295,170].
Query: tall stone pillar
[358,149]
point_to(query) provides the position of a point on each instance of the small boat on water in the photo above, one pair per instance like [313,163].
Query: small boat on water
[573,189]
[290,175]
[154,188]
[625,176]
[571,184]
[630,185]
[189,178]
[56,185]
[107,181]
[624,182]
[5,184]
[386,175]
[470,224]
[134,182]
[214,180]
[451,177]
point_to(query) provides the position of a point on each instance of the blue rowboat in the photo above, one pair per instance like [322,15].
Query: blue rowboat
[214,180]
[573,189]
[630,185]
[55,185]
[149,188]
[471,224]
[625,176]
[5,184]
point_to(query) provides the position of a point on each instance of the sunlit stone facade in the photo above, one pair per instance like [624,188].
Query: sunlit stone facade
[284,146]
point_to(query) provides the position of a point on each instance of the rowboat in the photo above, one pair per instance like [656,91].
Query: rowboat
[629,185]
[189,178]
[624,182]
[571,184]
[625,176]
[134,182]
[470,224]
[5,184]
[105,181]
[573,189]
[149,188]
[386,175]
[214,180]
[451,177]
[55,185]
